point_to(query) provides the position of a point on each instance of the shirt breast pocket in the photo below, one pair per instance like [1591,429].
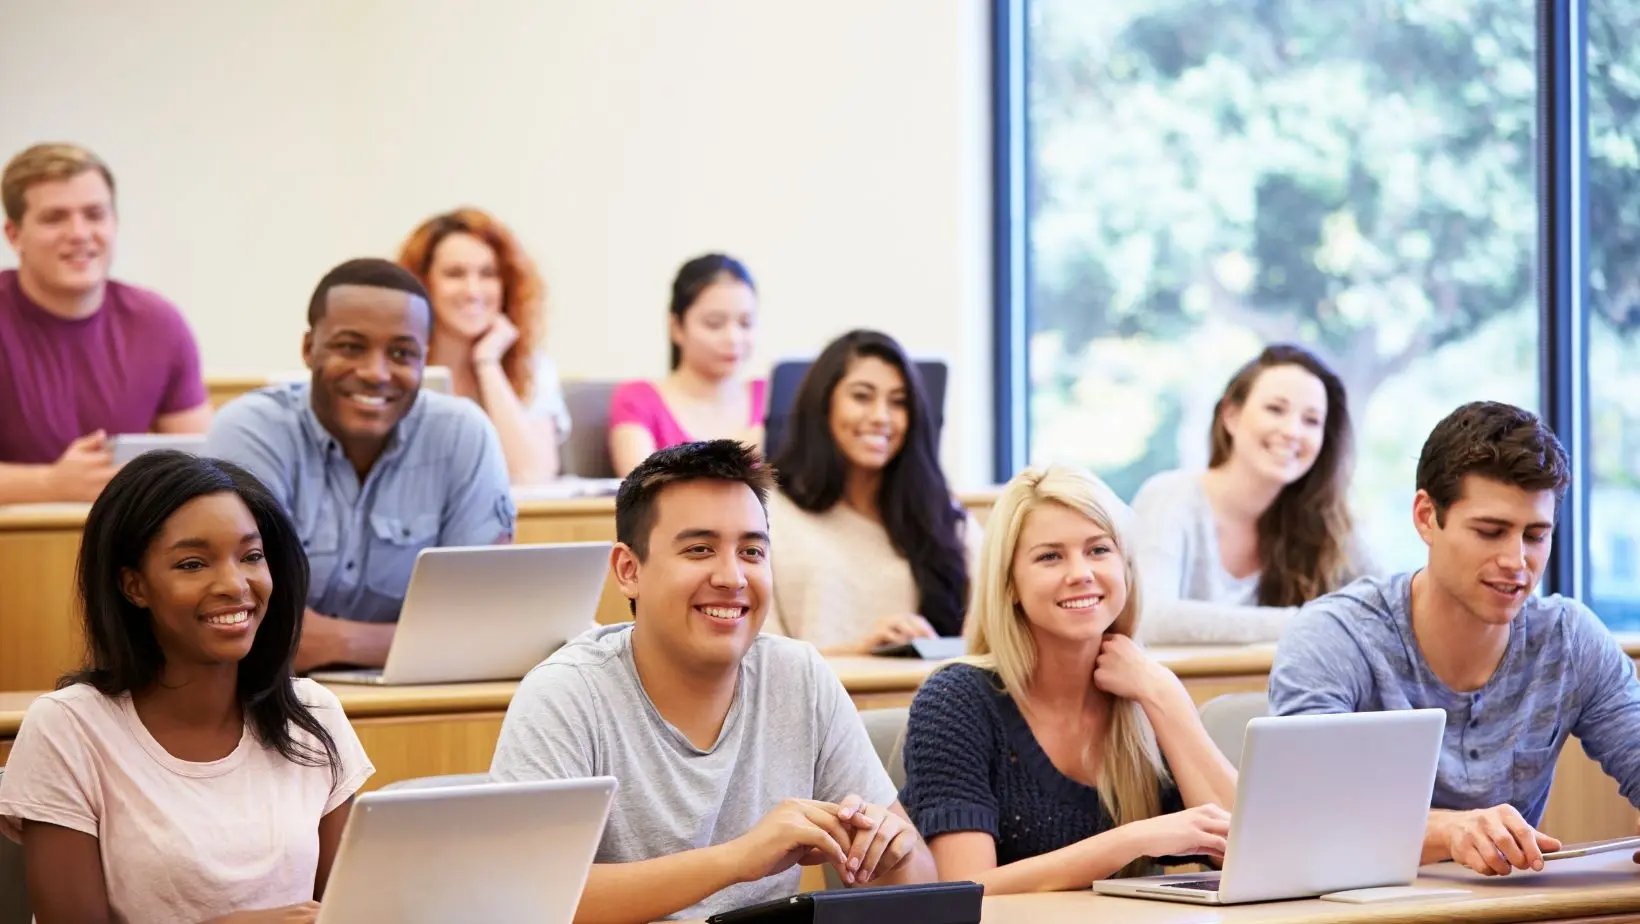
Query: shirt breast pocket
[321,540]
[1532,770]
[395,543]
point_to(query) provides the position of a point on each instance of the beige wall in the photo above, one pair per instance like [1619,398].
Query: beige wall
[839,148]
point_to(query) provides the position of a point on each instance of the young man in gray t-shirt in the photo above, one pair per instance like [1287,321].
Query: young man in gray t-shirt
[739,755]
[1517,674]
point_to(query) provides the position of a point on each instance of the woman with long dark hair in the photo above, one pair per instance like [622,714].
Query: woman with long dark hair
[707,394]
[1229,554]
[182,775]
[869,548]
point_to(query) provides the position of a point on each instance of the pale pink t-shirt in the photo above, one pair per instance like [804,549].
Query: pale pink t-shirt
[180,841]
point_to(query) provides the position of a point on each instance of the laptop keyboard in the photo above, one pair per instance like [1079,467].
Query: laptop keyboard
[1202,885]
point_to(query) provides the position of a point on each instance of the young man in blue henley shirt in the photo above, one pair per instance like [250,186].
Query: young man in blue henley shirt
[1516,673]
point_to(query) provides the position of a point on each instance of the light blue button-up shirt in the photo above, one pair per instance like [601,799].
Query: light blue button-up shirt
[441,481]
[1562,675]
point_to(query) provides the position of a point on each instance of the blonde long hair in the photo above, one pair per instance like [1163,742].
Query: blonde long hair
[999,637]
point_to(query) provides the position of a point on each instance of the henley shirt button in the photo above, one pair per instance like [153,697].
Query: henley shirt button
[1473,754]
[350,566]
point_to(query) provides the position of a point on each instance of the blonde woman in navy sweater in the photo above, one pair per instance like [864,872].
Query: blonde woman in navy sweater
[1043,763]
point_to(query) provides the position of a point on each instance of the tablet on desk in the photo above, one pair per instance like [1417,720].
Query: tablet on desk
[943,648]
[924,903]
[127,446]
[433,378]
[1583,850]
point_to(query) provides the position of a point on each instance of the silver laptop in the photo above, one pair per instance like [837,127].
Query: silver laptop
[1325,803]
[127,446]
[488,612]
[485,852]
[433,378]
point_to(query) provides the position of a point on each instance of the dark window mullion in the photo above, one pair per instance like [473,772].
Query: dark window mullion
[1010,255]
[1562,277]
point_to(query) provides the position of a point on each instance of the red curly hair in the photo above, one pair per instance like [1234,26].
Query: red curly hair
[523,294]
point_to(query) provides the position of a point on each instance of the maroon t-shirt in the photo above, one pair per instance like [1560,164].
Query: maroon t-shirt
[116,370]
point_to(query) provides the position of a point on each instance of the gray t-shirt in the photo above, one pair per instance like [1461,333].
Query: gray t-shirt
[791,732]
[1562,674]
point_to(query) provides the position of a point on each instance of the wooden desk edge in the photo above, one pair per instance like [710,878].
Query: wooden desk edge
[1547,904]
[62,516]
[40,517]
[367,701]
[360,701]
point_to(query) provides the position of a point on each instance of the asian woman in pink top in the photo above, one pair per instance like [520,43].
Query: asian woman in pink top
[183,775]
[706,395]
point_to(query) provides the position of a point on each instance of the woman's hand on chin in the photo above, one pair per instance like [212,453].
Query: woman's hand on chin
[1123,669]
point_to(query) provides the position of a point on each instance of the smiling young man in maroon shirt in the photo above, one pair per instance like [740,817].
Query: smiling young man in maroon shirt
[82,357]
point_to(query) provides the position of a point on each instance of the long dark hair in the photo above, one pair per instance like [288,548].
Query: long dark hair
[916,506]
[694,278]
[1305,538]
[123,654]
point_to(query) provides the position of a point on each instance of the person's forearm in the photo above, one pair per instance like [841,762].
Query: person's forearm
[629,444]
[918,867]
[25,484]
[1071,867]
[1437,845]
[1200,769]
[648,890]
[530,458]
[193,420]
[329,640]
[366,643]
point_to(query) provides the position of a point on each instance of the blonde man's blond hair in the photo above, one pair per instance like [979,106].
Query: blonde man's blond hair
[999,636]
[43,163]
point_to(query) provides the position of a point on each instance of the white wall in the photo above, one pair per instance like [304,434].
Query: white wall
[839,148]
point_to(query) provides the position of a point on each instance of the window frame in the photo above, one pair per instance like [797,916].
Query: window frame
[1562,133]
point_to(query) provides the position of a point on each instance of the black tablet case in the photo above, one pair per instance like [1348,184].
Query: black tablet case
[934,903]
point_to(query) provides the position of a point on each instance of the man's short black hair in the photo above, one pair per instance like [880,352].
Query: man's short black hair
[714,460]
[1496,441]
[365,271]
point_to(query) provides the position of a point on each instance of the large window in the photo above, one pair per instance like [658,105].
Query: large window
[1204,178]
[1613,303]
[1183,181]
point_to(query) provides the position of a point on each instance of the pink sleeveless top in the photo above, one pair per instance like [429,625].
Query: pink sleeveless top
[637,402]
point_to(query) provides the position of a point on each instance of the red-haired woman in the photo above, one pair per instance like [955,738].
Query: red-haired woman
[488,305]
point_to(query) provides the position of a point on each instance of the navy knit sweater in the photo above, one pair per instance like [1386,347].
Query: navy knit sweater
[972,764]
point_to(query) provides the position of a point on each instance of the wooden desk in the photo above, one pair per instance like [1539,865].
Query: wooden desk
[220,389]
[39,618]
[435,729]
[452,728]
[39,621]
[39,641]
[1603,888]
[407,731]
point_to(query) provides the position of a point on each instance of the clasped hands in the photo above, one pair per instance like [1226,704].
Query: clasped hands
[860,840]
